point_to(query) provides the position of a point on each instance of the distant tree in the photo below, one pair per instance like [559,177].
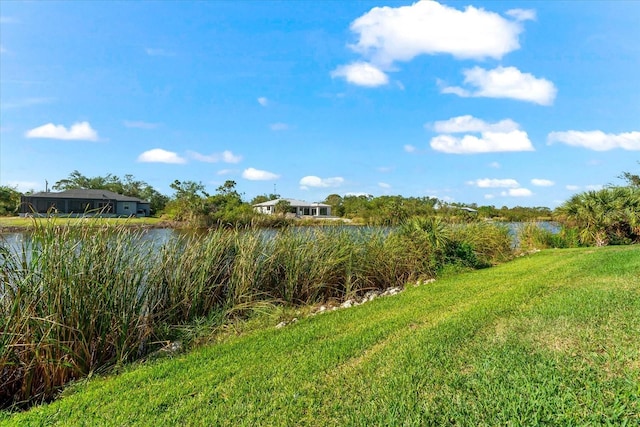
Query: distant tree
[9,200]
[228,189]
[226,206]
[157,201]
[335,201]
[282,207]
[187,203]
[487,212]
[73,181]
[632,179]
[357,206]
[130,186]
[261,198]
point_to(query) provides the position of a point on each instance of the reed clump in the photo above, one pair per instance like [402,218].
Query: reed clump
[78,300]
[534,236]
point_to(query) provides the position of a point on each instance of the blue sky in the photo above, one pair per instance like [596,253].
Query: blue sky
[488,102]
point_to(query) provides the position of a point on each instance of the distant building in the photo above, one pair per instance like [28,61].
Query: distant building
[297,207]
[82,202]
[468,209]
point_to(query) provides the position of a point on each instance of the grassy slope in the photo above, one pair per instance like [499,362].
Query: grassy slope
[551,338]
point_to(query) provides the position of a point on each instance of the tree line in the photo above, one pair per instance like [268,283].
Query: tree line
[607,215]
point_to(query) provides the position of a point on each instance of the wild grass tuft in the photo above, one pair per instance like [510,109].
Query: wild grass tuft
[533,235]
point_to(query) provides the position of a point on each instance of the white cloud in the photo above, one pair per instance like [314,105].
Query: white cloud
[542,182]
[410,148]
[361,74]
[446,199]
[572,187]
[495,165]
[495,183]
[158,155]
[229,157]
[226,157]
[8,20]
[26,102]
[522,14]
[278,126]
[384,185]
[384,169]
[317,182]
[388,34]
[489,196]
[469,123]
[225,172]
[453,90]
[258,175]
[81,131]
[505,82]
[24,186]
[263,101]
[158,52]
[597,140]
[489,142]
[2,49]
[517,192]
[140,125]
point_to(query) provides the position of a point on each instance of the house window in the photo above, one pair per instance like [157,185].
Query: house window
[305,211]
[104,207]
[313,211]
[45,205]
[268,208]
[323,211]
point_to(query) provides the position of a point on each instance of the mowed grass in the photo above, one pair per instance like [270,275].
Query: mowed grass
[27,223]
[552,339]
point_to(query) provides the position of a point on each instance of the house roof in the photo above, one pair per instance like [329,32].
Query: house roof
[81,193]
[293,203]
[468,209]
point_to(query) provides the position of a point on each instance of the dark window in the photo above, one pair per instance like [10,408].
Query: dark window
[323,211]
[80,205]
[104,207]
[44,206]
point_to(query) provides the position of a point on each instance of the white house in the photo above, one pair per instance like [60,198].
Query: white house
[297,207]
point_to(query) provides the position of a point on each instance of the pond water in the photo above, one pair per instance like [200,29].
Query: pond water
[14,240]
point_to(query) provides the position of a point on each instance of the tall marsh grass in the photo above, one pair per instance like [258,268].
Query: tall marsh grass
[77,300]
[533,235]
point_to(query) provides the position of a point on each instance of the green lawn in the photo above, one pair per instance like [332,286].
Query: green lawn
[19,222]
[552,339]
